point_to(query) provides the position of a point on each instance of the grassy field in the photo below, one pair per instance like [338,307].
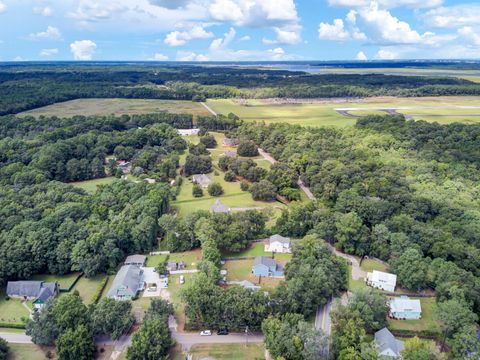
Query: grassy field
[91,185]
[371,264]
[118,107]
[88,286]
[191,258]
[238,270]
[225,352]
[29,352]
[65,281]
[12,311]
[324,114]
[427,322]
[258,249]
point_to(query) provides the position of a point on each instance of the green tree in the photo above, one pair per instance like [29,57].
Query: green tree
[417,349]
[76,344]
[42,328]
[4,349]
[411,269]
[453,316]
[70,312]
[215,189]
[197,191]
[110,317]
[247,149]
[372,307]
[351,235]
[263,190]
[463,343]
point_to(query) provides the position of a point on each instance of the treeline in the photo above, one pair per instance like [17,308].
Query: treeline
[27,87]
[402,191]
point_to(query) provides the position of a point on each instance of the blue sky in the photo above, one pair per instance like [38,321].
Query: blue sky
[235,30]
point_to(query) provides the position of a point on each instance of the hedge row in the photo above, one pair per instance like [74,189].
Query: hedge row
[426,334]
[12,326]
[99,291]
[72,285]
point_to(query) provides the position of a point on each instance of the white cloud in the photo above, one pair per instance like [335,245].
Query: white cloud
[245,38]
[453,16]
[171,4]
[222,43]
[159,57]
[52,33]
[83,49]
[338,32]
[385,55]
[361,56]
[48,52]
[469,34]
[3,7]
[288,35]
[277,53]
[387,3]
[190,56]
[44,11]
[179,38]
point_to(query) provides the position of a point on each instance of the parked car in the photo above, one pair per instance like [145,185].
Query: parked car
[182,279]
[222,332]
[206,333]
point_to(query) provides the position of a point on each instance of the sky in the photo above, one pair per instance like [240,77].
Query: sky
[238,30]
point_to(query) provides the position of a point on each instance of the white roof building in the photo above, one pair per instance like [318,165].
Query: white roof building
[278,244]
[188,132]
[405,308]
[382,280]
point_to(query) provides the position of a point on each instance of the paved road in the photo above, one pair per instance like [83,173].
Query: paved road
[323,320]
[16,338]
[187,340]
[300,183]
[209,108]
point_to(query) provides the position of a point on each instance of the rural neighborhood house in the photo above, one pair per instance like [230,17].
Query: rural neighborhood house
[382,280]
[388,346]
[404,308]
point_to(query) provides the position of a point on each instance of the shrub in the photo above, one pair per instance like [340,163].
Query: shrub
[209,141]
[197,191]
[99,291]
[215,189]
[247,148]
[244,186]
[263,191]
[230,176]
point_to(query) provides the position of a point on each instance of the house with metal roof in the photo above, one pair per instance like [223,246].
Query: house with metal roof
[278,244]
[382,280]
[137,259]
[38,291]
[404,308]
[127,283]
[202,180]
[387,345]
[229,142]
[218,208]
[266,266]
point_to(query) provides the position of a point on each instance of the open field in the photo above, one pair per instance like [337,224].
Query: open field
[88,107]
[65,281]
[90,186]
[225,352]
[29,352]
[87,287]
[323,113]
[258,249]
[191,258]
[371,264]
[427,322]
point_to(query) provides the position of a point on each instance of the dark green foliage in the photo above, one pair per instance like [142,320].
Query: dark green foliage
[4,349]
[42,328]
[264,190]
[198,149]
[76,344]
[230,176]
[70,312]
[197,191]
[244,186]
[411,269]
[312,277]
[372,307]
[197,164]
[209,141]
[111,317]
[215,189]
[291,338]
[247,149]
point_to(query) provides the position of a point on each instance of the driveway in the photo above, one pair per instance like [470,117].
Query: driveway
[151,277]
[16,338]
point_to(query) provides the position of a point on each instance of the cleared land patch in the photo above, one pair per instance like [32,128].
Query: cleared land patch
[89,107]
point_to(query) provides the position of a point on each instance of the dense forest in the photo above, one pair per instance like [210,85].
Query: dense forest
[23,88]
[405,192]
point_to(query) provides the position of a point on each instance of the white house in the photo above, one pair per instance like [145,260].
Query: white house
[388,346]
[188,132]
[404,308]
[382,280]
[278,244]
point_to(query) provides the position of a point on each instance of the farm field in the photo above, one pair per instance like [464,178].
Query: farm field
[324,114]
[87,107]
[427,322]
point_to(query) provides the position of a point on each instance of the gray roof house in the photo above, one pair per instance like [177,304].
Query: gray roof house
[39,291]
[127,283]
[202,180]
[266,266]
[136,259]
[218,207]
[388,346]
[278,243]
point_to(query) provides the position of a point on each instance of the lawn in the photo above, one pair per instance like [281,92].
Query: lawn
[12,311]
[371,264]
[90,186]
[29,352]
[354,285]
[65,281]
[88,107]
[427,322]
[87,287]
[191,258]
[238,270]
[324,114]
[226,352]
[258,249]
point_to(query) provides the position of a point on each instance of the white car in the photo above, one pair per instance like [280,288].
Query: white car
[206,333]
[182,279]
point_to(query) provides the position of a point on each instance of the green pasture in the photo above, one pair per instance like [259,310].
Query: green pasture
[89,107]
[90,186]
